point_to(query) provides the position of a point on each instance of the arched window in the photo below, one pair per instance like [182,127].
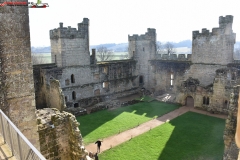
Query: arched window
[204,100]
[74,95]
[72,78]
[207,103]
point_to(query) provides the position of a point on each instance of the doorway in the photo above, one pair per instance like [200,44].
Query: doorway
[189,101]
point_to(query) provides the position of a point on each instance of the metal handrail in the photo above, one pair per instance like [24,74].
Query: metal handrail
[20,146]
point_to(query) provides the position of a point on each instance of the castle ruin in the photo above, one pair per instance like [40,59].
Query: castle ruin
[75,79]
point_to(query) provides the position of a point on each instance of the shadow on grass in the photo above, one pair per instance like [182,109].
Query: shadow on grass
[202,141]
[109,122]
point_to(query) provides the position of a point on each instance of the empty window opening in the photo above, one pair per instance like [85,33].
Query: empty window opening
[74,95]
[0,64]
[225,104]
[207,103]
[105,70]
[143,49]
[204,100]
[76,105]
[97,92]
[72,78]
[172,78]
[66,99]
[233,76]
[42,80]
[105,85]
[67,82]
[141,79]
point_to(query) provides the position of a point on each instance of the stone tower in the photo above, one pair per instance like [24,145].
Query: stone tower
[70,46]
[214,47]
[17,86]
[143,48]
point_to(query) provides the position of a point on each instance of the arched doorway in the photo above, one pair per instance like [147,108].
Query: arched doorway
[189,101]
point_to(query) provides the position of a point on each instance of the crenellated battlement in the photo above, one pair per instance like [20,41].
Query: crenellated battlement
[150,34]
[223,22]
[174,57]
[71,33]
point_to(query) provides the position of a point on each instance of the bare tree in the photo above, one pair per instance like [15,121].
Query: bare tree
[125,56]
[104,54]
[160,48]
[169,48]
[237,53]
[38,59]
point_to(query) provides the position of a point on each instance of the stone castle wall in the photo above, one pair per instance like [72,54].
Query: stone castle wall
[17,70]
[60,137]
[230,150]
[70,46]
[143,48]
[214,47]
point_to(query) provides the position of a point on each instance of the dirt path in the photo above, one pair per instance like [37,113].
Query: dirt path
[115,140]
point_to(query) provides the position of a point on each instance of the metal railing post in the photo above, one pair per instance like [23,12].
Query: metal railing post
[19,147]
[4,138]
[10,138]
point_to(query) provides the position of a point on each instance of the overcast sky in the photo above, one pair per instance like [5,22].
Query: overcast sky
[112,20]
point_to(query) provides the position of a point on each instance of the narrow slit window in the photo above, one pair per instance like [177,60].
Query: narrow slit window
[172,78]
[0,64]
[74,95]
[207,101]
[72,78]
[204,100]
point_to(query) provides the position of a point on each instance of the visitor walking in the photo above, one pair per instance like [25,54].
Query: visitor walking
[98,145]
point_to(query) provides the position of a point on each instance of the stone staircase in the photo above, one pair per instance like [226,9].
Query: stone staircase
[167,97]
[5,151]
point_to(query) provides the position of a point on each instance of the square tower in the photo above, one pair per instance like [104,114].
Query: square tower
[70,46]
[214,47]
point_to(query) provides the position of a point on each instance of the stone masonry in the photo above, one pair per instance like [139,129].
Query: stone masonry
[17,71]
[60,137]
[207,76]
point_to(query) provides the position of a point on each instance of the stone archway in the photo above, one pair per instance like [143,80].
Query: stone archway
[189,101]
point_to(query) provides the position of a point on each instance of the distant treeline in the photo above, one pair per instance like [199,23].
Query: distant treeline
[121,47]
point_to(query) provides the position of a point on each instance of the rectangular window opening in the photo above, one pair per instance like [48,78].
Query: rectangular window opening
[172,78]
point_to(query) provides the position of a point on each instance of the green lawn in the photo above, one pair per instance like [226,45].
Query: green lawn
[145,98]
[105,123]
[191,136]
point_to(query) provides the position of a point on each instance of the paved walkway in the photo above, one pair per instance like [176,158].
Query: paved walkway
[127,135]
[5,151]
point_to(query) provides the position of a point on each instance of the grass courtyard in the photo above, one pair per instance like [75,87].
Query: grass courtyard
[106,123]
[191,136]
